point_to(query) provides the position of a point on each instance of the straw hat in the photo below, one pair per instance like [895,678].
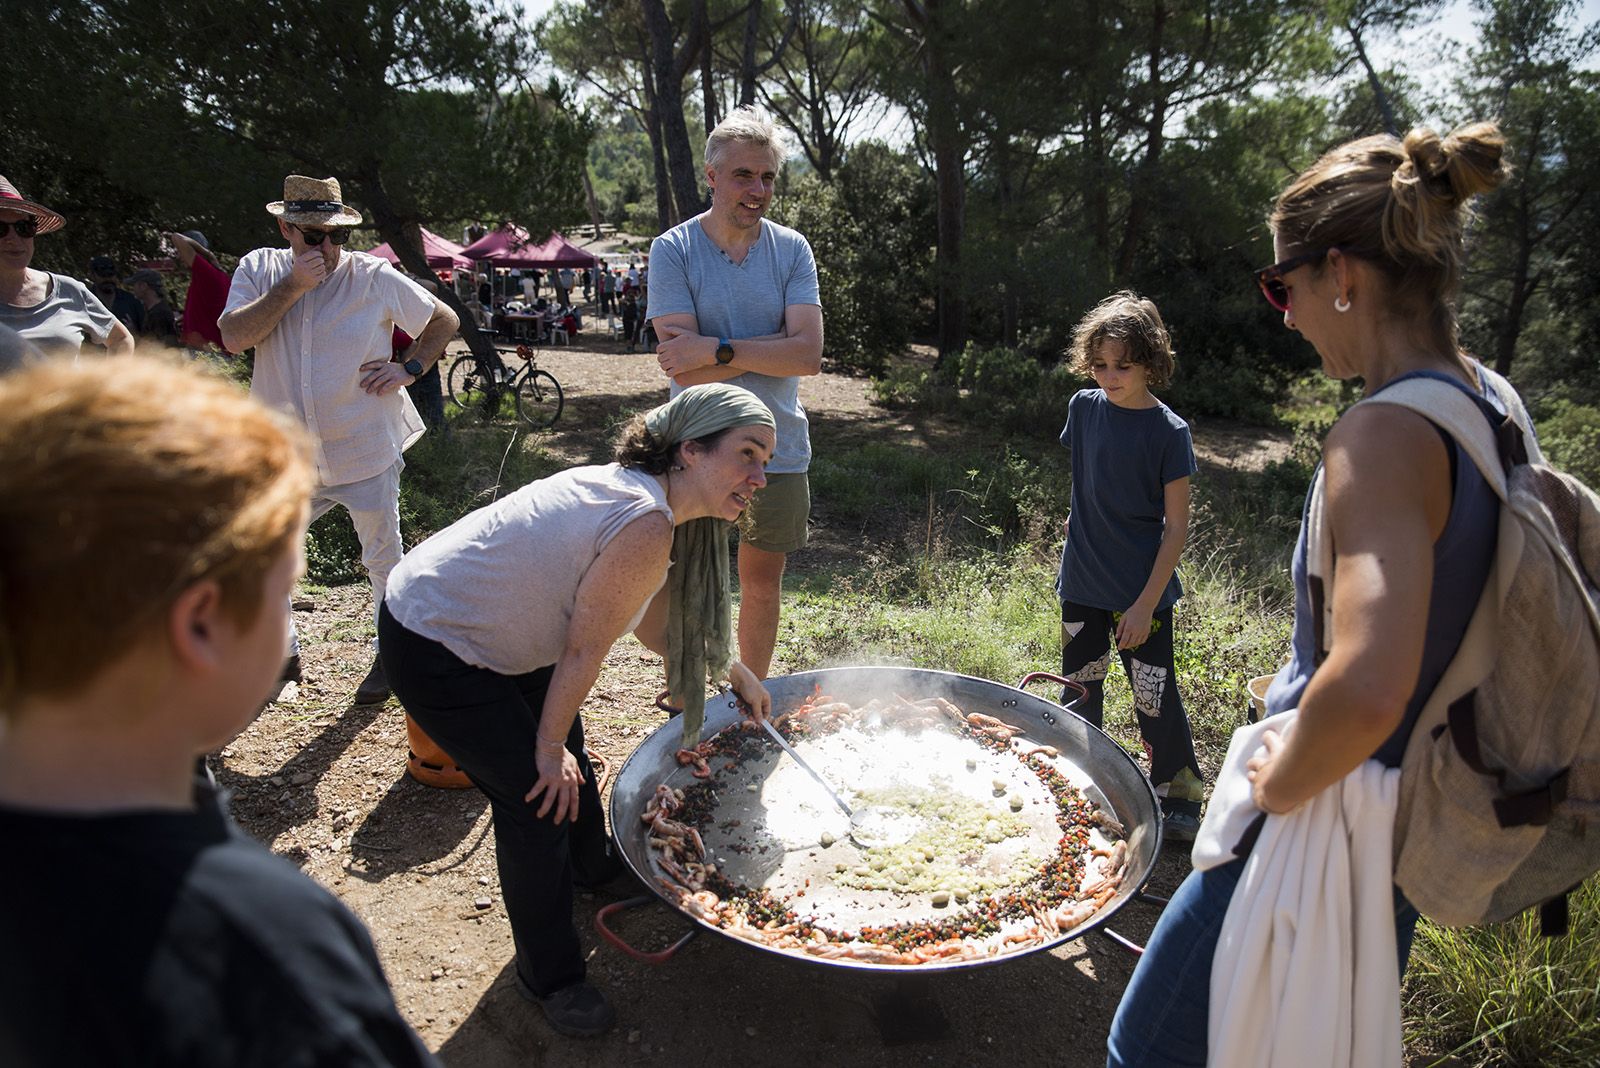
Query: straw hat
[11,200]
[313,202]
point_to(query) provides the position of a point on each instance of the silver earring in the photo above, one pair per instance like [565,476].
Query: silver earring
[1341,305]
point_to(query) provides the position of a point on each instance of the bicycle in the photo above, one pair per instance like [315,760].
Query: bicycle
[478,385]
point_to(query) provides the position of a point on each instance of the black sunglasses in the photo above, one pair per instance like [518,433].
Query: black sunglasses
[25,228]
[1270,279]
[338,235]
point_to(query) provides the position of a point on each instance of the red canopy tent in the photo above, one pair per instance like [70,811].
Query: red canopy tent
[443,254]
[510,246]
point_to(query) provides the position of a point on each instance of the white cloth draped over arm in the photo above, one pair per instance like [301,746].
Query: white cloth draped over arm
[1306,971]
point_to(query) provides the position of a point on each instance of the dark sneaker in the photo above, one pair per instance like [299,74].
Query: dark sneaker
[1180,827]
[291,670]
[374,689]
[578,1011]
[1180,820]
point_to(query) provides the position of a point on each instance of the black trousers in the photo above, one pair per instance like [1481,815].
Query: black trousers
[487,722]
[1086,639]
[427,395]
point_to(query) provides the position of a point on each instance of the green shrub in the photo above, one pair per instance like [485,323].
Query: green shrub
[990,497]
[1569,433]
[871,229]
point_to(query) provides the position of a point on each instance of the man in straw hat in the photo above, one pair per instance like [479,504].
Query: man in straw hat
[321,320]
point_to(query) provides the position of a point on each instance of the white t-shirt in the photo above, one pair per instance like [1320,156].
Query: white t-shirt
[498,586]
[310,363]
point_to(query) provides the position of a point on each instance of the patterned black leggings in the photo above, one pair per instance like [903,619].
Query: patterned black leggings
[1086,637]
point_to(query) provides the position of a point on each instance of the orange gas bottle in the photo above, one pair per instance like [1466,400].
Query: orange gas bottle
[430,765]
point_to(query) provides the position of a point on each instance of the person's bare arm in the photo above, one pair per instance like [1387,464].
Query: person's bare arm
[119,342]
[616,584]
[797,350]
[245,326]
[1134,626]
[187,249]
[1386,516]
[379,377]
[652,631]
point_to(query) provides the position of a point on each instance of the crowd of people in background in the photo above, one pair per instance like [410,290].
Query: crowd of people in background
[516,306]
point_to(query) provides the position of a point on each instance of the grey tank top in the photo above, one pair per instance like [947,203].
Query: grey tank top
[498,586]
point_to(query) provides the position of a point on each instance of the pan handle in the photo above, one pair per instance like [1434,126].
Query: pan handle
[1126,943]
[660,956]
[664,702]
[1033,676]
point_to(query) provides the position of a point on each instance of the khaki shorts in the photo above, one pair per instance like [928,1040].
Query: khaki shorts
[776,518]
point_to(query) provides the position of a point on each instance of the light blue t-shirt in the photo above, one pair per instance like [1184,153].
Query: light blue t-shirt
[1122,460]
[689,273]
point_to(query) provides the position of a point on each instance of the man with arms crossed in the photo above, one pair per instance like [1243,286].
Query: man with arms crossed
[322,322]
[734,298]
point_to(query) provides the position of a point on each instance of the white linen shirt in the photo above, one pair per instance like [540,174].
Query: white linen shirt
[310,363]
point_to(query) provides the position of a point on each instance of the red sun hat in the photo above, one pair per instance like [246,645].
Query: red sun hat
[11,200]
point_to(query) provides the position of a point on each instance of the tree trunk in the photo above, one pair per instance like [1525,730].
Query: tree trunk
[594,205]
[945,141]
[1510,328]
[747,63]
[669,72]
[658,158]
[1010,290]
[405,239]
[1099,188]
[1385,105]
[708,91]
[1155,139]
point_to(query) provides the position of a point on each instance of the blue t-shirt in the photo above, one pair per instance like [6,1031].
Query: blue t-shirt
[689,273]
[1122,460]
[1461,560]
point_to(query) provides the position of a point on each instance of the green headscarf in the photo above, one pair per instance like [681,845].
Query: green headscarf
[699,619]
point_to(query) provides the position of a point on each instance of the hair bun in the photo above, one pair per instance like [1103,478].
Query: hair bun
[1458,166]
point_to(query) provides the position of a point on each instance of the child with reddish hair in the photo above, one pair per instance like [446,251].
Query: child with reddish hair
[151,519]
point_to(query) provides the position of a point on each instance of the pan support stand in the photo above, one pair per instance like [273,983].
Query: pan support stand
[908,1012]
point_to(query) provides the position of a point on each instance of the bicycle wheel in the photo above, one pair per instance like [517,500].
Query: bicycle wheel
[539,399]
[470,387]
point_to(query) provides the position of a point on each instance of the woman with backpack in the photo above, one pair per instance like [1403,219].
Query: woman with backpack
[1368,244]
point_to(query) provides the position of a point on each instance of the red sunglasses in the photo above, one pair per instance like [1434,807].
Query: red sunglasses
[1270,279]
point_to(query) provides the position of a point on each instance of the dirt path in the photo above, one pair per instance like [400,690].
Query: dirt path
[323,783]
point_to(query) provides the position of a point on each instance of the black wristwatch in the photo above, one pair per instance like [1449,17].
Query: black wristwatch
[413,367]
[724,350]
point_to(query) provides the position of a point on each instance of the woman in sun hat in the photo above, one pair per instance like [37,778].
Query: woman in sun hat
[56,313]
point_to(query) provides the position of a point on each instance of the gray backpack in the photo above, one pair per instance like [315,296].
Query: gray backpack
[1500,787]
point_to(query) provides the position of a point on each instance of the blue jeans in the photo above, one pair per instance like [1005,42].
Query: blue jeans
[1165,1010]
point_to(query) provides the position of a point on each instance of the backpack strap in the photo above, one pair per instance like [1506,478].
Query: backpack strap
[1319,567]
[1553,913]
[1531,808]
[1454,410]
[1493,449]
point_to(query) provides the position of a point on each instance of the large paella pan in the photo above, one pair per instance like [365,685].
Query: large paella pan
[1000,823]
